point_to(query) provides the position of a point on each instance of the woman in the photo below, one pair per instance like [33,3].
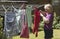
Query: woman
[48,21]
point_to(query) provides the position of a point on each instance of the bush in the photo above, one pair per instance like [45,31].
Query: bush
[1,29]
[2,36]
[58,26]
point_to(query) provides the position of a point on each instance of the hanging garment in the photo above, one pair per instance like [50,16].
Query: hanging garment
[18,16]
[29,15]
[25,30]
[10,24]
[36,21]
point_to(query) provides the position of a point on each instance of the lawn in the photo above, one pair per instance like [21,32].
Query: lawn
[41,35]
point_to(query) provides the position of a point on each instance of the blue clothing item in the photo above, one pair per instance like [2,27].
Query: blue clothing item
[10,24]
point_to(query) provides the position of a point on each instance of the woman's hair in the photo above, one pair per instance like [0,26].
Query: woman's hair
[41,8]
[49,6]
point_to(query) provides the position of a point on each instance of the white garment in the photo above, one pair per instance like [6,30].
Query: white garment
[18,16]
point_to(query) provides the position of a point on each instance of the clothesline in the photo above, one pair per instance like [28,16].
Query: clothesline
[15,1]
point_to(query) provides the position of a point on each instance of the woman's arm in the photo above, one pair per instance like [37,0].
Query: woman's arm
[46,20]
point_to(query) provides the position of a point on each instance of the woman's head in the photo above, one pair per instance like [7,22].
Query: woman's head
[48,8]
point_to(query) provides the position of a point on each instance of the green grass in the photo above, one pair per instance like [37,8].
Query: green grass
[41,35]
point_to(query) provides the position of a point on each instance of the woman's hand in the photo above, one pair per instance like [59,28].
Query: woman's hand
[44,18]
[42,12]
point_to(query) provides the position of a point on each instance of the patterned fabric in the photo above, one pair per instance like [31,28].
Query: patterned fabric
[10,24]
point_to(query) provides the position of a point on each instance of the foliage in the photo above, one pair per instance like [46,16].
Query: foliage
[56,22]
[1,29]
[2,36]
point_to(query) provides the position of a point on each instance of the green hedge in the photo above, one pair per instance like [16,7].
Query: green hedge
[1,28]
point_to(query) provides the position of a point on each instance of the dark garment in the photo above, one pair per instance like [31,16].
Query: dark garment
[48,33]
[48,27]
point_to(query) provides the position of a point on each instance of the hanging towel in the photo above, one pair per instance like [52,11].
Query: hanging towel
[29,15]
[36,21]
[25,30]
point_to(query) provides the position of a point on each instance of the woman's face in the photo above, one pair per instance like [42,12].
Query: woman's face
[46,10]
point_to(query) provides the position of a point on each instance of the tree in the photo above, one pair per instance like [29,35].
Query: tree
[56,5]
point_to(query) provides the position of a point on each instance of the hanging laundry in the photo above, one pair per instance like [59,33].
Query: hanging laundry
[18,16]
[10,24]
[36,21]
[25,30]
[29,15]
